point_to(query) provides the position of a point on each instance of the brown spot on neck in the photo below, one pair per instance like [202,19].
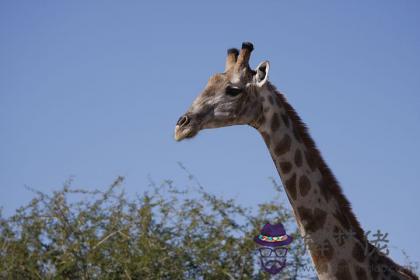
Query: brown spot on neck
[358,252]
[342,218]
[285,167]
[312,220]
[283,146]
[343,271]
[296,134]
[324,187]
[304,185]
[285,119]
[311,160]
[275,122]
[360,272]
[298,158]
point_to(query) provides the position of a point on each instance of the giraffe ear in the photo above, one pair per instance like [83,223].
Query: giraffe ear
[261,75]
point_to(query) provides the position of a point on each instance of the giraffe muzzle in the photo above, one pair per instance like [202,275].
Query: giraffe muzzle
[185,128]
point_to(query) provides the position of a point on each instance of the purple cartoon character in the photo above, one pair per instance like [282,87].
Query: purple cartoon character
[272,242]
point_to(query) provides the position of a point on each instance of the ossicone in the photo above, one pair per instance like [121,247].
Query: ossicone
[232,56]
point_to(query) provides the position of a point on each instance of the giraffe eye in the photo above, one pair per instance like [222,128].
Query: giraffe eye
[233,91]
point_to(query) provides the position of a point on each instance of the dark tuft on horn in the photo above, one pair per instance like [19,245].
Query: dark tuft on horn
[233,51]
[232,56]
[248,45]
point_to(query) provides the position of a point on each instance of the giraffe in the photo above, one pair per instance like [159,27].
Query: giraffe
[335,239]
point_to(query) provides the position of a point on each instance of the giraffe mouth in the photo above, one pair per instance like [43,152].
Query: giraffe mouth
[182,133]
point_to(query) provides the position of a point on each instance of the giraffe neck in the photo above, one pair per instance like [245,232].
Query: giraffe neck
[325,220]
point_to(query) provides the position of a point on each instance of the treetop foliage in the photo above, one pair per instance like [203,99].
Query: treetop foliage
[164,233]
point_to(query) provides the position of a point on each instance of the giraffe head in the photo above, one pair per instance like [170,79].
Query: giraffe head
[229,98]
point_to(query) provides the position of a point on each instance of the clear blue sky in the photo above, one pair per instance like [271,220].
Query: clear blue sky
[94,88]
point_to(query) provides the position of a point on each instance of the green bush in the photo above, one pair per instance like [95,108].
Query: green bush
[165,233]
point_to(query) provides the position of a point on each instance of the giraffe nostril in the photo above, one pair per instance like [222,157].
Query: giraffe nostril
[184,120]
